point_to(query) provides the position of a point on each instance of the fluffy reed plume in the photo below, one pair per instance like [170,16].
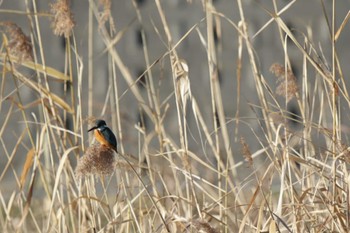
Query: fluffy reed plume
[19,44]
[286,81]
[106,14]
[63,21]
[246,152]
[97,160]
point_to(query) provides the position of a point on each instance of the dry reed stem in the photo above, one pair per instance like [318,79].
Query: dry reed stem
[308,202]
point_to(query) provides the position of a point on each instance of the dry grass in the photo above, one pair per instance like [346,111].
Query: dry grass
[289,184]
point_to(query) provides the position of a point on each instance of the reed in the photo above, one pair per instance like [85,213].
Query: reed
[293,178]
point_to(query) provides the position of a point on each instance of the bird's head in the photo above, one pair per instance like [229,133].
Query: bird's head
[98,124]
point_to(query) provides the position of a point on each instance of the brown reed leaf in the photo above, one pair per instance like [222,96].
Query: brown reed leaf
[246,152]
[63,21]
[27,165]
[97,160]
[286,81]
[19,44]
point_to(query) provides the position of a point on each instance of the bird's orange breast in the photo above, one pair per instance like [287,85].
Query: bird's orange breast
[100,138]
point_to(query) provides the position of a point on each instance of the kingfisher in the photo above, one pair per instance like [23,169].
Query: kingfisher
[104,135]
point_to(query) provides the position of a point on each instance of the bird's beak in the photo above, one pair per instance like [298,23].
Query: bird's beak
[95,127]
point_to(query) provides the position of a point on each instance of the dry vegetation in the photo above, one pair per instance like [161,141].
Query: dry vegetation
[292,186]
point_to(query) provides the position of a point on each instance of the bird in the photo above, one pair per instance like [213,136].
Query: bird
[104,135]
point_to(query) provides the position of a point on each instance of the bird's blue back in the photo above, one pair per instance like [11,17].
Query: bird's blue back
[108,135]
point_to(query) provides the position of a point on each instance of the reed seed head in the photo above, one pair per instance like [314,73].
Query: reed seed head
[19,44]
[63,21]
[286,81]
[97,160]
[246,152]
